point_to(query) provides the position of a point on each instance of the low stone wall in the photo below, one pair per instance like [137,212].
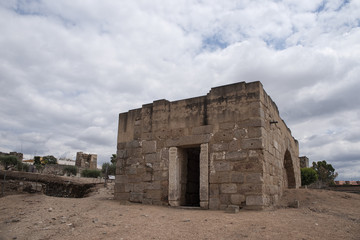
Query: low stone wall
[48,184]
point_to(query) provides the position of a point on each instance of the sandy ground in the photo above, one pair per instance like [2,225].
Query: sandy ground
[322,215]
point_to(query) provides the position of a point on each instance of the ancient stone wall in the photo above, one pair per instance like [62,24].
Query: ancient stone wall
[229,147]
[84,160]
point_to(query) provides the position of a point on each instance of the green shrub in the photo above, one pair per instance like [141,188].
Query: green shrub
[308,176]
[70,170]
[91,173]
[22,166]
[8,161]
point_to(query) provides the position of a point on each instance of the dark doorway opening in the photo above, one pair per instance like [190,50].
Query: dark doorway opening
[192,197]
[289,170]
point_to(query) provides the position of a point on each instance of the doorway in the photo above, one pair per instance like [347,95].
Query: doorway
[189,176]
[192,197]
[289,171]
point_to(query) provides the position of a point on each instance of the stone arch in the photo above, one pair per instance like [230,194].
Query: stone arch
[289,171]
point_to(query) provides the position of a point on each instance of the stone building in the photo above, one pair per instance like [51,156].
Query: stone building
[304,162]
[229,147]
[85,160]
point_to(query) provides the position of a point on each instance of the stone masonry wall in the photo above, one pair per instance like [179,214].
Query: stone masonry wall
[242,155]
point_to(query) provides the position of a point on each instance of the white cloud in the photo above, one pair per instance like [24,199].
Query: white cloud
[67,68]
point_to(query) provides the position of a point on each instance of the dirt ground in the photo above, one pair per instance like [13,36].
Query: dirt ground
[322,215]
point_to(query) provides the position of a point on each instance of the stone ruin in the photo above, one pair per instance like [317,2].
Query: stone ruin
[227,148]
[84,160]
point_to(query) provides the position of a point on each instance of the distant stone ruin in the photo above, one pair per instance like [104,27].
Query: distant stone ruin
[16,154]
[84,160]
[304,162]
[228,148]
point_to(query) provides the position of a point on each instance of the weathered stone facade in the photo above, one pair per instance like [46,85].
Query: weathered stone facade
[227,148]
[84,160]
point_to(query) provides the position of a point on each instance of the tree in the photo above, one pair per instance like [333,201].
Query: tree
[308,176]
[113,159]
[50,159]
[8,161]
[110,167]
[326,173]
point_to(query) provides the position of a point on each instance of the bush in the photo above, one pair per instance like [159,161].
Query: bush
[8,161]
[50,159]
[22,166]
[70,170]
[91,173]
[308,176]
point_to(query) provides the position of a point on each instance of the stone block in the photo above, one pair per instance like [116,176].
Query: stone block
[223,136]
[217,156]
[214,189]
[122,196]
[153,194]
[202,130]
[151,158]
[153,185]
[237,177]
[252,143]
[224,199]
[236,156]
[132,160]
[227,126]
[237,199]
[219,147]
[234,146]
[228,188]
[254,178]
[232,209]
[121,145]
[220,177]
[138,187]
[136,197]
[250,188]
[129,187]
[149,147]
[241,133]
[247,167]
[252,200]
[221,166]
[214,203]
[120,188]
[121,153]
[133,144]
[121,179]
[204,204]
[255,132]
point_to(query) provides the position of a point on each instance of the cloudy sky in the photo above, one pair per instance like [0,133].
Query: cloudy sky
[67,68]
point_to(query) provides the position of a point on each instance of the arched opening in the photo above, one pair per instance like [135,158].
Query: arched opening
[289,170]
